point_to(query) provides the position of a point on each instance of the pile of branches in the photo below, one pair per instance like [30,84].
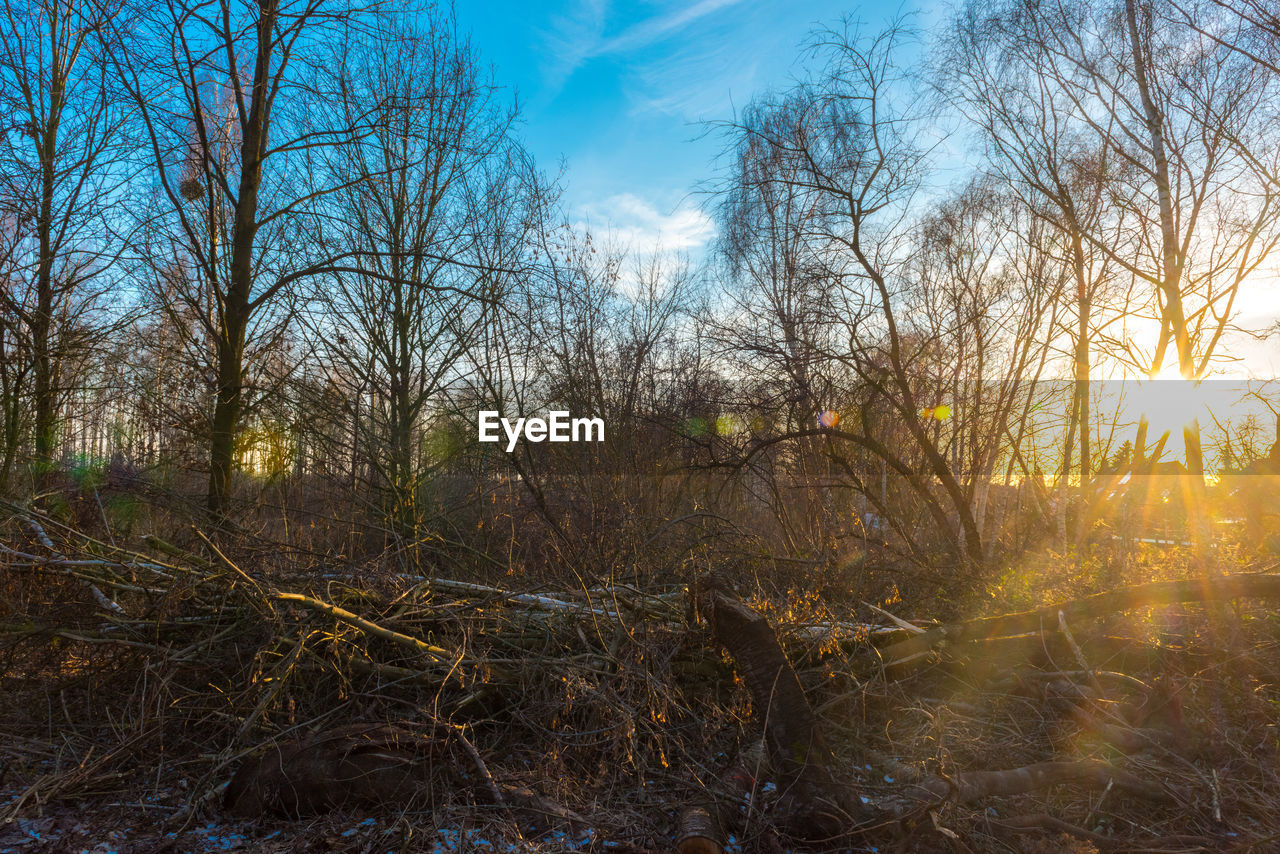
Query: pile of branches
[209,656]
[640,718]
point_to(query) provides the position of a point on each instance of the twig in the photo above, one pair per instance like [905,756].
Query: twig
[105,522]
[98,596]
[912,628]
[481,768]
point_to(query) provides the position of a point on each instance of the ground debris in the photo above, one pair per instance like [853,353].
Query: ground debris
[392,712]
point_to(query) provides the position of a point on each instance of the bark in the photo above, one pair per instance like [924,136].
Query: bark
[362,764]
[42,321]
[1170,282]
[11,400]
[236,307]
[226,414]
[813,804]
[1082,363]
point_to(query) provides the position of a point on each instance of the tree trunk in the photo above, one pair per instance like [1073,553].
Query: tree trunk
[237,305]
[1174,321]
[1156,593]
[1083,366]
[42,321]
[1170,279]
[226,417]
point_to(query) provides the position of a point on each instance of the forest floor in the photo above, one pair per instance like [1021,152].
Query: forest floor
[106,826]
[139,677]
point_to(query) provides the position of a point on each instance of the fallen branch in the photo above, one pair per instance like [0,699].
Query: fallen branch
[815,805]
[360,764]
[969,786]
[442,656]
[101,598]
[1244,586]
[1044,821]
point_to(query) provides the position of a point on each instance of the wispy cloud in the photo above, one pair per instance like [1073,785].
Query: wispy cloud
[572,38]
[640,226]
[650,30]
[693,84]
[582,34]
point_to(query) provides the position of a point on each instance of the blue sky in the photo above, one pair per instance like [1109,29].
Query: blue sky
[620,92]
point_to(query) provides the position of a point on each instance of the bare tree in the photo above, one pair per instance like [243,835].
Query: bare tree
[849,143]
[779,319]
[1248,27]
[418,195]
[1033,141]
[987,289]
[58,158]
[227,95]
[1174,112]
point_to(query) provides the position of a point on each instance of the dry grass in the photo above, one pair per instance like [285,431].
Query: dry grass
[608,703]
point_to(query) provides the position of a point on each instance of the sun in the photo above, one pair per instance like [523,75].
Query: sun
[1170,403]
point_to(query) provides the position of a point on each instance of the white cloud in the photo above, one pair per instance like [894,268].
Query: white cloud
[640,226]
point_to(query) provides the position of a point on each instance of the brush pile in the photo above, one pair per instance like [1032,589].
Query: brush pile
[139,681]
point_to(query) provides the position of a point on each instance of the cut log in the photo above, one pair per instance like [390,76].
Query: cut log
[698,833]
